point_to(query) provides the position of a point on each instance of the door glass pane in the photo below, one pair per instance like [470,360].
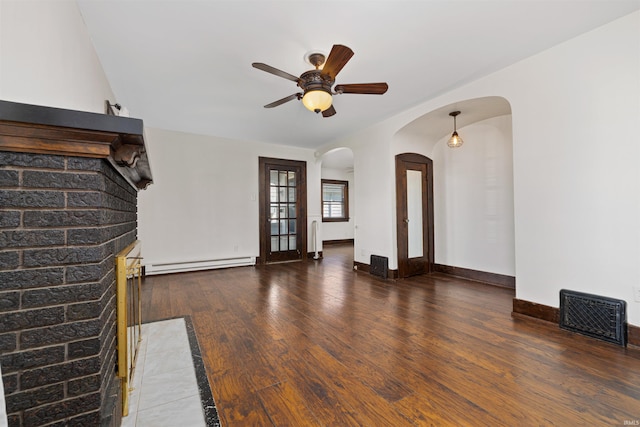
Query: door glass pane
[414,213]
[283,210]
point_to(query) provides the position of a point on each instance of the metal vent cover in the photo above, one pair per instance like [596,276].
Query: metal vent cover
[379,266]
[595,316]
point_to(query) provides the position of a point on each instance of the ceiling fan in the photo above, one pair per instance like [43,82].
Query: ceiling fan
[316,84]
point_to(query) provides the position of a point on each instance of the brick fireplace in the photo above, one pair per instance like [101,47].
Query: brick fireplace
[68,193]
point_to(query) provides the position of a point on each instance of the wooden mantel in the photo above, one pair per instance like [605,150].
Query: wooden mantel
[45,130]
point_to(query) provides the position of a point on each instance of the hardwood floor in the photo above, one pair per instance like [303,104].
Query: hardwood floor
[305,344]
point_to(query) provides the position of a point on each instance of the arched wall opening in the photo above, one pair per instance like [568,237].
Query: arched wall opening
[473,184]
[337,164]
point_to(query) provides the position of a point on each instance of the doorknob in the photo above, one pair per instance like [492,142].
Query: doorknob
[406,220]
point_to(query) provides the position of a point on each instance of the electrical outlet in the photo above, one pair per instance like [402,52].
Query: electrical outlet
[636,293]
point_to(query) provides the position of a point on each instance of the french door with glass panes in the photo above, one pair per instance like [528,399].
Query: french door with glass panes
[283,210]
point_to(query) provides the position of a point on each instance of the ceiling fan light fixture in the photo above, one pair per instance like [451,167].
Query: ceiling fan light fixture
[454,141]
[316,85]
[317,100]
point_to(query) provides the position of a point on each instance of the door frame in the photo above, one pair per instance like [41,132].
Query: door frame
[405,267]
[263,217]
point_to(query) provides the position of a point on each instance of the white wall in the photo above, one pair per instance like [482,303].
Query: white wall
[576,121]
[340,230]
[374,199]
[577,180]
[473,198]
[47,58]
[203,204]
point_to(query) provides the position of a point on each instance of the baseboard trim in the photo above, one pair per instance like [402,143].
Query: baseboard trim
[527,309]
[633,335]
[337,242]
[479,276]
[535,310]
[360,266]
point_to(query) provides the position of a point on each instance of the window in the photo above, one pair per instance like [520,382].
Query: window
[335,200]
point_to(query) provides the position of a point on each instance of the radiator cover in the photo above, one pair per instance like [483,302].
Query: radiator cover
[379,266]
[595,316]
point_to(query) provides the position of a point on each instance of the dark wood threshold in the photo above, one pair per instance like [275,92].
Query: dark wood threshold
[531,310]
[337,242]
[479,276]
[310,255]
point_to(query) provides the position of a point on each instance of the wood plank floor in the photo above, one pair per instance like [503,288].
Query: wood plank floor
[317,344]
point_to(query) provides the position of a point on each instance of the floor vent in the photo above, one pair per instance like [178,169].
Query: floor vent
[379,266]
[595,316]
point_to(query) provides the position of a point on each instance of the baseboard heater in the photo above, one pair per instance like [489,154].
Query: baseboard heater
[379,266]
[595,316]
[180,267]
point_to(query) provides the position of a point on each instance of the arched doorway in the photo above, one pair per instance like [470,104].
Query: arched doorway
[337,172]
[414,214]
[473,185]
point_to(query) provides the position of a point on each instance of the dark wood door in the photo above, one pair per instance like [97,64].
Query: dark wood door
[414,214]
[283,213]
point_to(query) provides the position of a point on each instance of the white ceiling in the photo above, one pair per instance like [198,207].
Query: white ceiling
[186,65]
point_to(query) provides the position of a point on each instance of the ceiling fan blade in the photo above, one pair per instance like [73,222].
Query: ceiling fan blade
[283,100]
[329,112]
[275,71]
[364,88]
[338,58]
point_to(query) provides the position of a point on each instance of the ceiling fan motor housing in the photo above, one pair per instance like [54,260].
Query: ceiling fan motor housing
[315,80]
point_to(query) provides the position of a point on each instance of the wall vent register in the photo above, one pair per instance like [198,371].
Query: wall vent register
[379,266]
[595,316]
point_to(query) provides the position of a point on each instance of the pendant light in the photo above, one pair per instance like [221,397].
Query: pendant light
[455,140]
